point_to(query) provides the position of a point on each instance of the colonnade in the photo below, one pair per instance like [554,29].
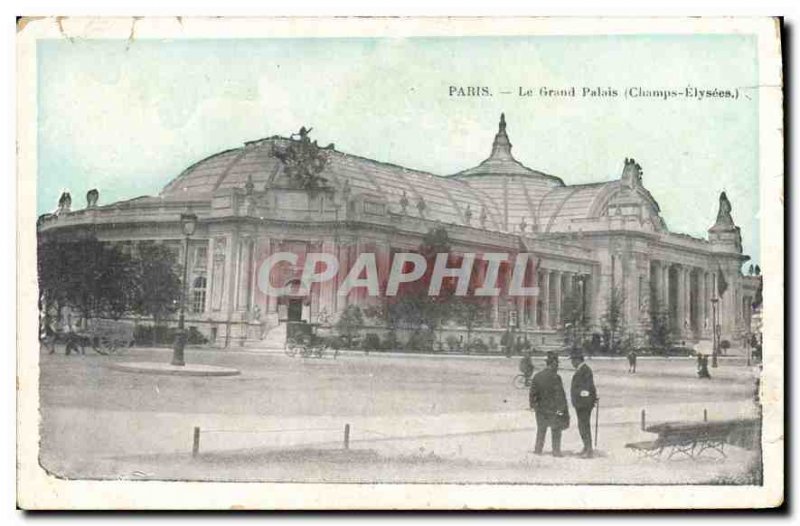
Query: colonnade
[684,293]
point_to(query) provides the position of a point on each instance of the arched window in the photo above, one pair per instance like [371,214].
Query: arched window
[199,295]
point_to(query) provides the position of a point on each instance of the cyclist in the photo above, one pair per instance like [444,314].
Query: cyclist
[526,367]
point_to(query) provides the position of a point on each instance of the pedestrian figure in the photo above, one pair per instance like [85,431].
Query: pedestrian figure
[584,397]
[632,361]
[47,334]
[506,343]
[548,400]
[702,366]
[526,367]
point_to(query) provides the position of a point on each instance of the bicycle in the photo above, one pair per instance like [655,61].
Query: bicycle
[521,381]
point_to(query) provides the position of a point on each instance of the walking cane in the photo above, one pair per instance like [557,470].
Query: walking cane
[596,423]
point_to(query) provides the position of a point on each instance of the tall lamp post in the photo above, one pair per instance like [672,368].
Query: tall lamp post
[188,225]
[715,348]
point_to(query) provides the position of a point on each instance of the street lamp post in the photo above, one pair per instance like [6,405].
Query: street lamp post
[715,348]
[188,224]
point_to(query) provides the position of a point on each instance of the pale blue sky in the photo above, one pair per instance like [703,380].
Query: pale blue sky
[128,118]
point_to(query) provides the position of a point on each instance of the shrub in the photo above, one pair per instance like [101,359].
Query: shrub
[478,346]
[196,337]
[453,342]
[372,342]
[420,341]
[725,344]
[144,335]
[492,344]
[349,324]
[390,342]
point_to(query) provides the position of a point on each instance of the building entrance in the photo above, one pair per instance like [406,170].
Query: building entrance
[295,310]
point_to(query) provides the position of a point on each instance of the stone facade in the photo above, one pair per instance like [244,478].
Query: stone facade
[598,239]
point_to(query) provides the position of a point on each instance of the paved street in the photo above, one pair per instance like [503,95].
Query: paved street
[412,418]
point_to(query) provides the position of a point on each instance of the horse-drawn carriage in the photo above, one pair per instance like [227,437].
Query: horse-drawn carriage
[104,336]
[109,336]
[310,340]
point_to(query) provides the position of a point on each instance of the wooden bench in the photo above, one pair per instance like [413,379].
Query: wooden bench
[693,438]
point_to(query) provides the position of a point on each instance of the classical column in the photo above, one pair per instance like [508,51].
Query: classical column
[521,301]
[231,264]
[535,301]
[569,284]
[681,299]
[209,272]
[597,288]
[218,272]
[272,299]
[254,252]
[244,273]
[545,298]
[701,302]
[327,291]
[688,281]
[383,260]
[658,284]
[586,297]
[666,289]
[557,297]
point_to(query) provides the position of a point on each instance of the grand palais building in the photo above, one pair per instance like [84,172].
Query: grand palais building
[605,238]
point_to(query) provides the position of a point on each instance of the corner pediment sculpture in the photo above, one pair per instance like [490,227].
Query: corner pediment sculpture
[303,160]
[64,203]
[724,218]
[631,173]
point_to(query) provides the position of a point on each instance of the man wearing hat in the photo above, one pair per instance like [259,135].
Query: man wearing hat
[584,397]
[548,400]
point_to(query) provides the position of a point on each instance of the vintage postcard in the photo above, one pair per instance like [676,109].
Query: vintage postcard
[365,263]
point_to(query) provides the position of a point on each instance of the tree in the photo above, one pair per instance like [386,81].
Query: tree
[158,290]
[89,276]
[436,310]
[659,334]
[349,323]
[573,317]
[612,323]
[470,312]
[413,307]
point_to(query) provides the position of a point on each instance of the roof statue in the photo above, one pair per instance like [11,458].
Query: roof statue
[303,160]
[64,203]
[421,205]
[468,215]
[404,202]
[91,198]
[631,173]
[249,186]
[724,218]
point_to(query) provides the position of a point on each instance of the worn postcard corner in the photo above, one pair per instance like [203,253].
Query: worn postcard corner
[365,263]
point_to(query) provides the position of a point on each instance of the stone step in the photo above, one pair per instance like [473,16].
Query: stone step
[275,338]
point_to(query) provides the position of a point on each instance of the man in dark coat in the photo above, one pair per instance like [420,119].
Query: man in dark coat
[632,361]
[584,396]
[548,400]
